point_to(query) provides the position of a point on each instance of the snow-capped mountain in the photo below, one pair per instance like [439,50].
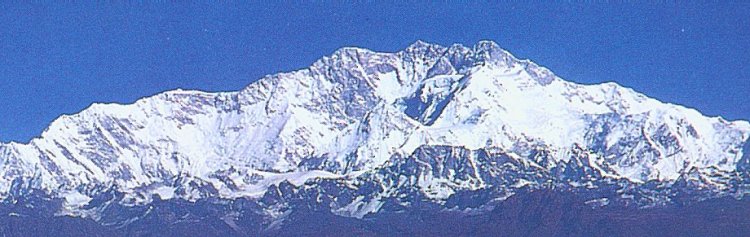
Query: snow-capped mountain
[360,132]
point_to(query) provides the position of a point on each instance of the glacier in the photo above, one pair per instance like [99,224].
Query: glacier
[361,132]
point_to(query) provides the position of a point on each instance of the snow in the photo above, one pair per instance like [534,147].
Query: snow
[344,112]
[298,178]
[600,202]
[75,199]
[389,88]
[358,208]
[165,193]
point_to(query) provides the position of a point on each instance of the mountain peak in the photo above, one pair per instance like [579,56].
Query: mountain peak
[487,45]
[429,119]
[482,45]
[420,44]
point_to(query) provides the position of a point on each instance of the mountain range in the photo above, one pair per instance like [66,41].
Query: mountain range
[363,139]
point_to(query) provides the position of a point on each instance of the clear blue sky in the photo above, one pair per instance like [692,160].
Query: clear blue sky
[59,59]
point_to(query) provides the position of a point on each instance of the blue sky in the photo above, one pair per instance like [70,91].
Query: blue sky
[58,59]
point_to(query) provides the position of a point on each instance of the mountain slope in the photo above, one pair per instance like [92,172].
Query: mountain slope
[428,122]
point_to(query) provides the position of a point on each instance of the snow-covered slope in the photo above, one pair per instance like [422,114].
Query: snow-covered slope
[359,116]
